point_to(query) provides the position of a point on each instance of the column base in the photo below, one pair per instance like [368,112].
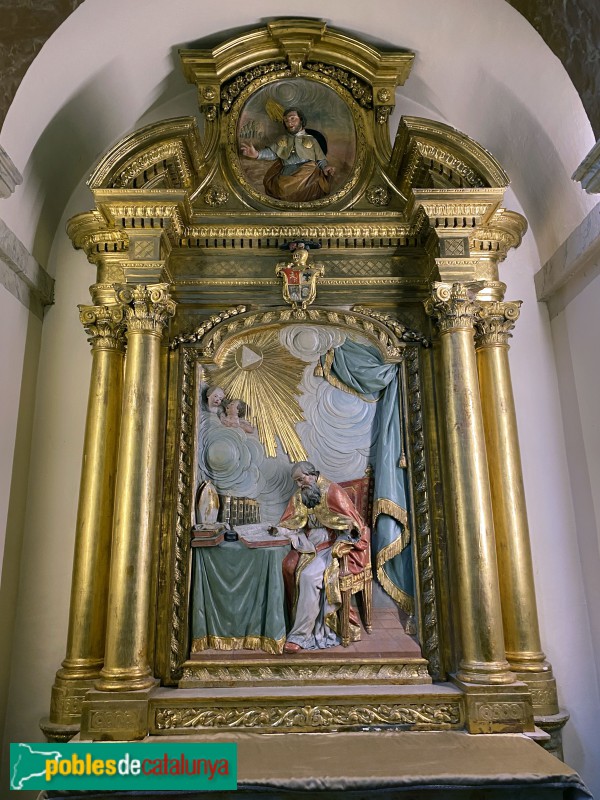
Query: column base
[125,680]
[553,725]
[58,732]
[497,709]
[71,685]
[112,716]
[492,673]
[542,686]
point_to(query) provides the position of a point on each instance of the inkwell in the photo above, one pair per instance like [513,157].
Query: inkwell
[230,534]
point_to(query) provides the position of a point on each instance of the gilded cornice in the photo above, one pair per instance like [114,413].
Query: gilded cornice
[504,230]
[294,43]
[90,232]
[456,212]
[175,142]
[342,229]
[148,208]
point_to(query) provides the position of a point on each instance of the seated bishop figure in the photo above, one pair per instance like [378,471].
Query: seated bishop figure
[325,525]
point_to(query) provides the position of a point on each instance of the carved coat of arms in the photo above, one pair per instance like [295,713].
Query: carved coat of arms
[299,279]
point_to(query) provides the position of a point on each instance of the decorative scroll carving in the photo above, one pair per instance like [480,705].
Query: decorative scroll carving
[388,334]
[433,153]
[383,114]
[104,325]
[430,643]
[147,308]
[207,325]
[174,151]
[453,306]
[232,89]
[182,520]
[543,696]
[291,673]
[113,720]
[359,90]
[401,331]
[309,716]
[500,712]
[370,232]
[495,322]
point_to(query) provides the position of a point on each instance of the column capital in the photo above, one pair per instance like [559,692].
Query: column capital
[147,308]
[453,306]
[495,321]
[104,325]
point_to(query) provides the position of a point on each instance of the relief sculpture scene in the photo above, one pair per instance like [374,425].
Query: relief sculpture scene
[298,493]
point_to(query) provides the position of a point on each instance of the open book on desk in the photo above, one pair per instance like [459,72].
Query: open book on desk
[257,535]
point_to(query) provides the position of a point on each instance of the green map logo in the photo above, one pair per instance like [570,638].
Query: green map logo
[123,765]
[28,763]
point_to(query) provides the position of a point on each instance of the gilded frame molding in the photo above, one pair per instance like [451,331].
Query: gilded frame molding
[208,344]
[360,172]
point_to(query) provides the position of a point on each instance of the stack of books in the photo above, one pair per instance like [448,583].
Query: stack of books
[209,534]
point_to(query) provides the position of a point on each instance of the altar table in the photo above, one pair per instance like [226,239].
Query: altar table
[238,598]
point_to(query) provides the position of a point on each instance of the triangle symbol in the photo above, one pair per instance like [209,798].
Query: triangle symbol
[249,357]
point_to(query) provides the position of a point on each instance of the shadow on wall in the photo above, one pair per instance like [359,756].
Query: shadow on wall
[538,176]
[173,97]
[71,144]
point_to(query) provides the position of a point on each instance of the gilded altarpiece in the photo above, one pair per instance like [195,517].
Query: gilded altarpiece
[237,266]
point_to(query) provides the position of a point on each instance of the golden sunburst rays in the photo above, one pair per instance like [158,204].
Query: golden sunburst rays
[260,371]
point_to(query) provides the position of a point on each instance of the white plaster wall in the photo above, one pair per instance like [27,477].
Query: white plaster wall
[20,333]
[562,569]
[576,332]
[583,322]
[503,87]
[41,614]
[14,320]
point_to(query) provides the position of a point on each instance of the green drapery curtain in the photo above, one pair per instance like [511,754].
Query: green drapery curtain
[238,598]
[360,369]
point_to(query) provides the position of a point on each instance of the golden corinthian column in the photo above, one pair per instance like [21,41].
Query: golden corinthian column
[519,609]
[478,597]
[126,663]
[89,587]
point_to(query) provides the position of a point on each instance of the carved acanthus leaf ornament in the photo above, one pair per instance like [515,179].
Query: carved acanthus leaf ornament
[104,325]
[495,321]
[453,306]
[147,308]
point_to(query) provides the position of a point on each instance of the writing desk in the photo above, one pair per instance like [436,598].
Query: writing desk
[238,598]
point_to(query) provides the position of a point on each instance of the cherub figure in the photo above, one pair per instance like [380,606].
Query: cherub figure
[215,397]
[235,415]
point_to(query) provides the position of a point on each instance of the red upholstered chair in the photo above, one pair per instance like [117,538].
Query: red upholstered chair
[352,581]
